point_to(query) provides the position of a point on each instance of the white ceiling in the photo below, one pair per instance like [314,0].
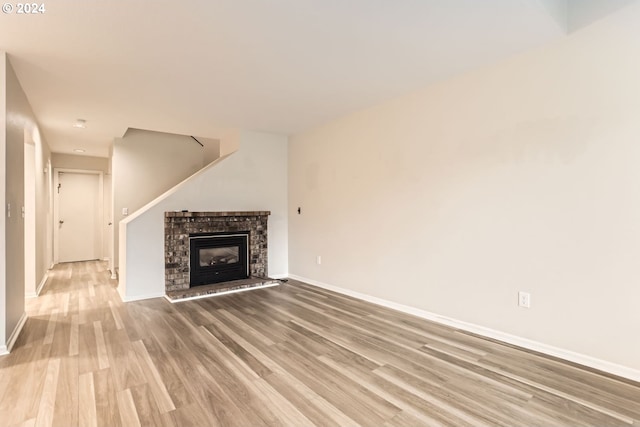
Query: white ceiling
[196,67]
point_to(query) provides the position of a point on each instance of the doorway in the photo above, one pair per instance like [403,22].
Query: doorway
[29,215]
[78,197]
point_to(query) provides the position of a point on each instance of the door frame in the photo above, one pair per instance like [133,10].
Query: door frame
[56,207]
[29,215]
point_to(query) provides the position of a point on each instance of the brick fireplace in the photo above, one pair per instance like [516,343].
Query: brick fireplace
[180,228]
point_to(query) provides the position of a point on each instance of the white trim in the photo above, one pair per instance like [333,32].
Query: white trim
[582,359]
[231,291]
[42,283]
[279,276]
[16,332]
[29,217]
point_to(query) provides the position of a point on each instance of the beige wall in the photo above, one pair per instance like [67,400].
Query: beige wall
[21,127]
[17,127]
[145,165]
[73,161]
[14,293]
[211,149]
[521,176]
[3,200]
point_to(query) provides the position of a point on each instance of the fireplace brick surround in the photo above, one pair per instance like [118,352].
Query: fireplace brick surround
[179,225]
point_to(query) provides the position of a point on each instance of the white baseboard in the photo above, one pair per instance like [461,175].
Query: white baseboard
[279,276]
[39,287]
[3,350]
[582,359]
[16,332]
[42,283]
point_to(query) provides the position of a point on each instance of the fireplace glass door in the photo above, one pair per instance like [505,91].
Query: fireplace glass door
[218,258]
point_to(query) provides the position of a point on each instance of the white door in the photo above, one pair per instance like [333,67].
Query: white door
[79,231]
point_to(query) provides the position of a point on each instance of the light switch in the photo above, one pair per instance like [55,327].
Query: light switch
[8,210]
[125,211]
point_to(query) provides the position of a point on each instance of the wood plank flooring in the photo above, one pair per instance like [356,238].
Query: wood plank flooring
[291,355]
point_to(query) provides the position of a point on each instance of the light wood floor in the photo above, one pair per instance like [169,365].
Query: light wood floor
[291,355]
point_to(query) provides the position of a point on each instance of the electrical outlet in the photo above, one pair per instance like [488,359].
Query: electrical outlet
[318,260]
[524,299]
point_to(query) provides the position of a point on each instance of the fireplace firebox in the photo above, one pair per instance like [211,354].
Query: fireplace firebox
[218,257]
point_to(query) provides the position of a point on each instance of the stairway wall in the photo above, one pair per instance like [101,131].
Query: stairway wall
[145,165]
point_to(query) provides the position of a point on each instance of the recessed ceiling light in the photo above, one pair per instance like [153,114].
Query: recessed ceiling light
[78,150]
[80,124]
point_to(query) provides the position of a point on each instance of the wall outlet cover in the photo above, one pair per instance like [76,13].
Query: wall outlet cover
[524,299]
